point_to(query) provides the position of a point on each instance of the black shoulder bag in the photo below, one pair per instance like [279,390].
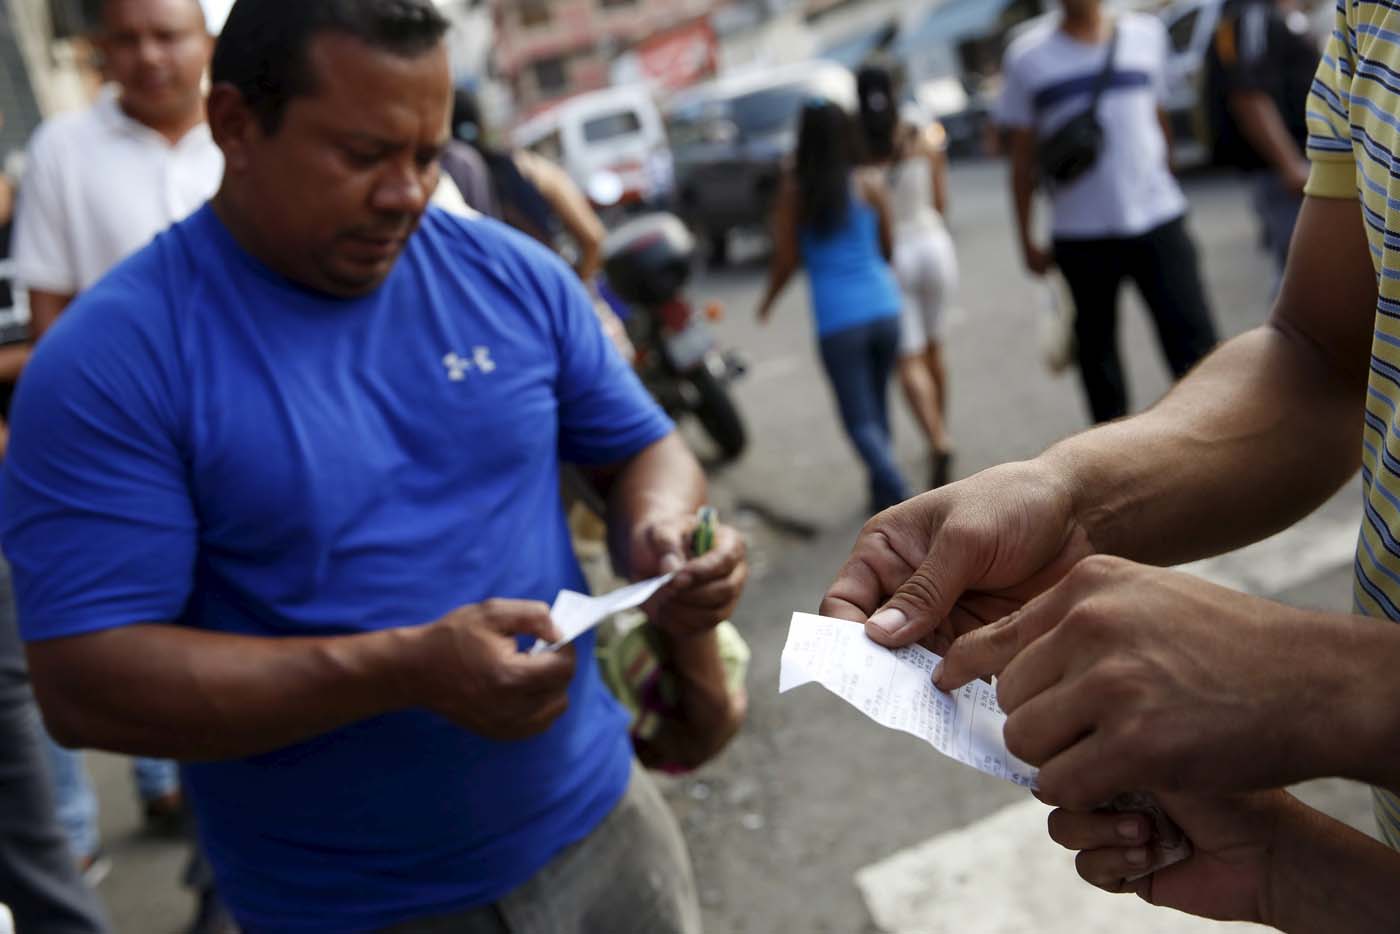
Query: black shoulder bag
[1073,149]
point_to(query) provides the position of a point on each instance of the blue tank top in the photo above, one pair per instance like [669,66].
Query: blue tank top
[851,282]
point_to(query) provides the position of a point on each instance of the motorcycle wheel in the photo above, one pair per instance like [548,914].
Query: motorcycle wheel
[718,414]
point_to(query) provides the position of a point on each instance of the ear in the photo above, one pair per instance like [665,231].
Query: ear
[233,124]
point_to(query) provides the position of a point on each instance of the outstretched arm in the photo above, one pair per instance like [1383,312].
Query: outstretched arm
[785,261]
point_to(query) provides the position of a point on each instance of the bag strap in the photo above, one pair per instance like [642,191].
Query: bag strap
[1101,84]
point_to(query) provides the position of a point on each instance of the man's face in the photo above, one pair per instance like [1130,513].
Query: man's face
[335,193]
[1079,7]
[157,51]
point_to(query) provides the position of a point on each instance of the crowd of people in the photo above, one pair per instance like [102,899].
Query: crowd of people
[284,420]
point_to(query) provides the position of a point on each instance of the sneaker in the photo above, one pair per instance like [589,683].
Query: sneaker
[94,867]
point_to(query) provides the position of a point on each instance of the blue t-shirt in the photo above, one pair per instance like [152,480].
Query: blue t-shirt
[199,440]
[851,282]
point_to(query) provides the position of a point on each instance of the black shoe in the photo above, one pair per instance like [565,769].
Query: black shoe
[942,469]
[213,916]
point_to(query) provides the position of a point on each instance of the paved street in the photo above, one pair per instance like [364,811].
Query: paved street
[812,793]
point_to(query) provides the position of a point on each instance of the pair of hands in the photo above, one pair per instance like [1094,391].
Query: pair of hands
[1115,677]
[468,667]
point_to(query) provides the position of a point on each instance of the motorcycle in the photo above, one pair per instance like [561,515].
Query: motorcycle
[646,265]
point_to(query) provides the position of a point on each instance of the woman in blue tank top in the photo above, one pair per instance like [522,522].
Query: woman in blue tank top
[836,222]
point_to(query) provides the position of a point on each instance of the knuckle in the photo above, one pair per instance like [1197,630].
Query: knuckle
[1096,570]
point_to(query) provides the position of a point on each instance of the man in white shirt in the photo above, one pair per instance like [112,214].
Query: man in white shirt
[102,182]
[1125,215]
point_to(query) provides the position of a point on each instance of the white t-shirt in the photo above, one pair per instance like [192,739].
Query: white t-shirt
[98,186]
[1049,78]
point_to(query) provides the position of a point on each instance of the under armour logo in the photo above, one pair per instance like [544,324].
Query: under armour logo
[458,366]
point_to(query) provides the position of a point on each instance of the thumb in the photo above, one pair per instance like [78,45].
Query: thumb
[925,599]
[666,543]
[520,618]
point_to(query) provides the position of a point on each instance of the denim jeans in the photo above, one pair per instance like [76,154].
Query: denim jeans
[74,800]
[77,803]
[859,363]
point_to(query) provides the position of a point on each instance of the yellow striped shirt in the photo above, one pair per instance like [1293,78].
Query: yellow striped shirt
[1354,127]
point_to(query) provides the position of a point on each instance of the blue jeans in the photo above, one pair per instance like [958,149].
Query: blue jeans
[859,363]
[76,803]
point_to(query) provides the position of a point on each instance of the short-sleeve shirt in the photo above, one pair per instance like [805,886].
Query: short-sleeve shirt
[1050,78]
[200,441]
[1355,136]
[1258,47]
[99,185]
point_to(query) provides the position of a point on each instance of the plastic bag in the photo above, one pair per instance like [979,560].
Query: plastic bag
[1057,346]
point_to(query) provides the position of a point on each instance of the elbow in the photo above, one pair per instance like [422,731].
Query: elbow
[64,724]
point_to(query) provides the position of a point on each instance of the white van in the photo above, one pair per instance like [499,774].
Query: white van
[617,130]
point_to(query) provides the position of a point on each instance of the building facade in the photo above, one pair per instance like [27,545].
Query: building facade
[548,50]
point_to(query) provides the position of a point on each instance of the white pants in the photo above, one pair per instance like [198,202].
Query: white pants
[927,268]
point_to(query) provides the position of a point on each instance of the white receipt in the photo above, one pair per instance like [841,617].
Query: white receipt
[895,689]
[575,613]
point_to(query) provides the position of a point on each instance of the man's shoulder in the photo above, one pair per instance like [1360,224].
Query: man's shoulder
[1030,43]
[1137,23]
[484,240]
[66,134]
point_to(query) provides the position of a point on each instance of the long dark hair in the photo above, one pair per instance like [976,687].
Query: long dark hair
[877,85]
[827,150]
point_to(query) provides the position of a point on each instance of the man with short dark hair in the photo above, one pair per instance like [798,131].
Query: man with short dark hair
[1124,216]
[299,463]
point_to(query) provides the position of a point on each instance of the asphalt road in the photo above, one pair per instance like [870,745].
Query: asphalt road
[811,792]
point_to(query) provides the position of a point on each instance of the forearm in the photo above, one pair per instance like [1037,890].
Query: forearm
[664,481]
[171,692]
[1328,877]
[1260,121]
[1259,434]
[1022,196]
[44,309]
[13,359]
[779,274]
[708,716]
[1254,439]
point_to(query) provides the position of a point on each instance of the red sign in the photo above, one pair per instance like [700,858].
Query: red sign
[680,57]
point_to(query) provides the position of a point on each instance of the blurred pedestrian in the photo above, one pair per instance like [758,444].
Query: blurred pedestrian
[102,182]
[836,221]
[39,881]
[1082,104]
[315,432]
[915,162]
[1259,69]
[524,189]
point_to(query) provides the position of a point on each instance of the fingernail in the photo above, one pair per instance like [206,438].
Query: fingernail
[889,620]
[1128,829]
[938,673]
[671,563]
[1136,857]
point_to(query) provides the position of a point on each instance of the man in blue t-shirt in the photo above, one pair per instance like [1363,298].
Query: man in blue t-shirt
[283,504]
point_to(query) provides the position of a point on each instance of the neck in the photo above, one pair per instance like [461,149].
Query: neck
[173,129]
[228,207]
[1087,26]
